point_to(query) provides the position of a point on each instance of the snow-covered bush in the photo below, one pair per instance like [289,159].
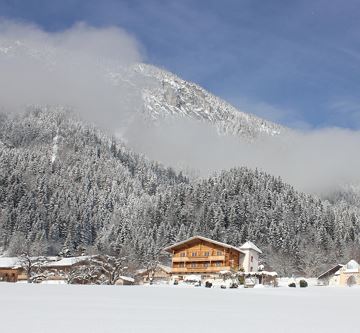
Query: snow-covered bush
[208,284]
[303,283]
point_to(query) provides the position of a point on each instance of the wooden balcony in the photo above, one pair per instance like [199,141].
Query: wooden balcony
[198,258]
[198,270]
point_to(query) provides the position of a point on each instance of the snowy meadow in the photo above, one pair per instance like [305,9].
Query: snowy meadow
[67,308]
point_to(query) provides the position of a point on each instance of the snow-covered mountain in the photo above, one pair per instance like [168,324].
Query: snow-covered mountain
[163,94]
[176,97]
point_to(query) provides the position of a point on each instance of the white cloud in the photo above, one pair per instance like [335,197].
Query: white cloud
[68,68]
[313,161]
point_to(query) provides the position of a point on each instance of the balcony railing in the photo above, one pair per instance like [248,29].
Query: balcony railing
[198,258]
[212,269]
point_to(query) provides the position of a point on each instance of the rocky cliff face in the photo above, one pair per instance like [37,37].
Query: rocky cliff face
[172,96]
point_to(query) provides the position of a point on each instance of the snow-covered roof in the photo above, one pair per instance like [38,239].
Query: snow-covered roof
[194,278]
[166,269]
[9,262]
[169,248]
[126,278]
[66,261]
[351,267]
[250,246]
[332,270]
[261,273]
[225,272]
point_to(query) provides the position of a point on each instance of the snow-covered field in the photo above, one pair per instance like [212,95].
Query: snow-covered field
[66,308]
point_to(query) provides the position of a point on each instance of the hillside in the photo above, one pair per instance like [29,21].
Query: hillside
[65,184]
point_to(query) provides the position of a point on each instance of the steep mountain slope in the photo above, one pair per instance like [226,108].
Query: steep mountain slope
[176,97]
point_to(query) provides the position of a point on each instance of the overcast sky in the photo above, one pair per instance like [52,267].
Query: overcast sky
[293,62]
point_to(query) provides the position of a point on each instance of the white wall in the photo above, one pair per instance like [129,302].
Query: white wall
[247,264]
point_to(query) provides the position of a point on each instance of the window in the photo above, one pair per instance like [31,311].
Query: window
[182,254]
[181,265]
[194,254]
[206,264]
[251,258]
[193,265]
[206,254]
[219,253]
[251,269]
[218,264]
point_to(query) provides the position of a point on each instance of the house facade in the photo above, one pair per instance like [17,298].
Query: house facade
[341,275]
[10,270]
[349,274]
[204,256]
[330,277]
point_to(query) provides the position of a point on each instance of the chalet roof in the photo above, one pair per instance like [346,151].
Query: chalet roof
[179,244]
[63,262]
[9,262]
[166,269]
[330,271]
[250,246]
[15,262]
[126,278]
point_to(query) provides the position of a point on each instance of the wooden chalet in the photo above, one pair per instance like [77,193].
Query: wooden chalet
[201,255]
[10,270]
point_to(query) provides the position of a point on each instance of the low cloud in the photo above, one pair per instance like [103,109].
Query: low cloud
[316,161]
[70,68]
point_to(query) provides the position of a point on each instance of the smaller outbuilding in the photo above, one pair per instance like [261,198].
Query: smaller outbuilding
[11,270]
[125,281]
[341,275]
[159,274]
[330,277]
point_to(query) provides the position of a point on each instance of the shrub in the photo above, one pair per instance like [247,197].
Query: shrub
[241,280]
[292,285]
[208,284]
[303,284]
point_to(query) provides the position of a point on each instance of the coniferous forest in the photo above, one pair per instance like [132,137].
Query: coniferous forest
[65,184]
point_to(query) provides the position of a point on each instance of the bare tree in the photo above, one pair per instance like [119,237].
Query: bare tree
[84,274]
[111,268]
[99,269]
[34,267]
